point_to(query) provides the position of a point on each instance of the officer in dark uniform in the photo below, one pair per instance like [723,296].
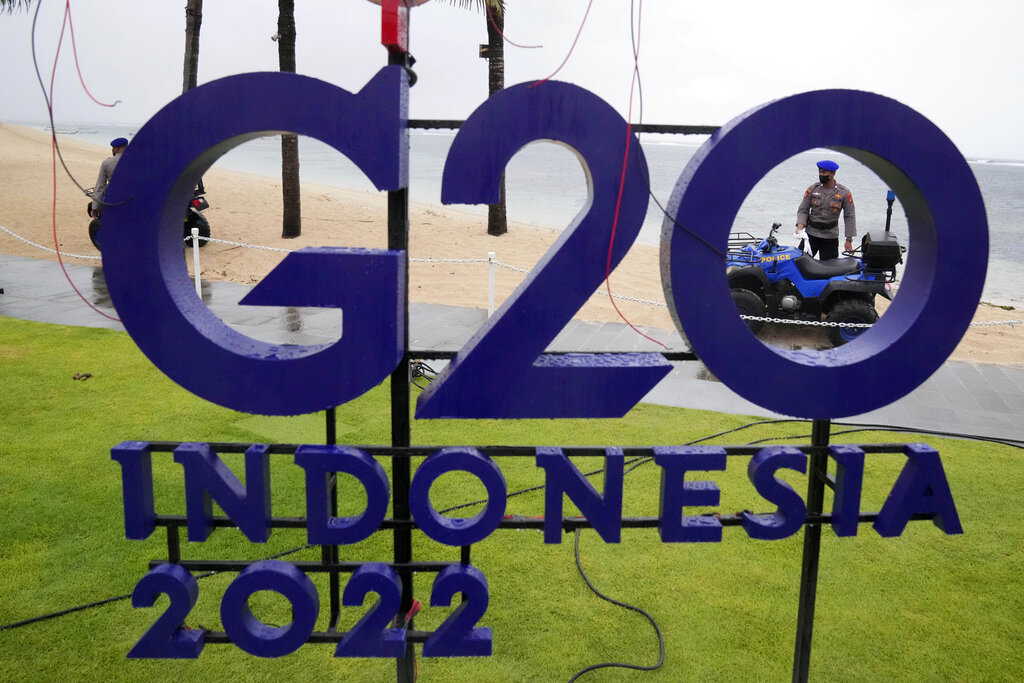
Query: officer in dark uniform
[819,213]
[117,147]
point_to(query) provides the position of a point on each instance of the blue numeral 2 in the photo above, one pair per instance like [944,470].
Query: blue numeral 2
[500,372]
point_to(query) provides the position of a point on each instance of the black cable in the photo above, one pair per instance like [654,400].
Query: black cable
[635,462]
[418,369]
[634,608]
[860,427]
[99,603]
[646,459]
[640,119]
[46,98]
[53,615]
[520,492]
[868,427]
[49,111]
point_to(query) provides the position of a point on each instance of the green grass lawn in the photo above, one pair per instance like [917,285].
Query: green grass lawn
[924,606]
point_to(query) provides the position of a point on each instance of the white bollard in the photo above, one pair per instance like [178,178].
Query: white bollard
[195,261]
[491,265]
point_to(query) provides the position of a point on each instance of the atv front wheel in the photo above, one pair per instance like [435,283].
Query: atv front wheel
[749,303]
[850,311]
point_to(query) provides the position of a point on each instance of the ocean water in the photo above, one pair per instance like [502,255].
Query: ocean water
[546,186]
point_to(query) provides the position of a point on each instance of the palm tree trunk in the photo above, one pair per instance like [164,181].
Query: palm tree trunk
[291,225]
[193,23]
[497,223]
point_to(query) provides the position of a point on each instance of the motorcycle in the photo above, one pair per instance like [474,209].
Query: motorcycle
[767,279]
[193,219]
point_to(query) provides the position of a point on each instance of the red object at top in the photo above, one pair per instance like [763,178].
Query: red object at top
[394,26]
[394,23]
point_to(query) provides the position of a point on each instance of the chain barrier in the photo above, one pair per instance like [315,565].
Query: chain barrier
[524,271]
[810,323]
[517,269]
[822,323]
[241,244]
[634,299]
[448,260]
[991,323]
[52,251]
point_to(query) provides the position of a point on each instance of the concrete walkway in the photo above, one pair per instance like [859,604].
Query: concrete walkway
[978,399]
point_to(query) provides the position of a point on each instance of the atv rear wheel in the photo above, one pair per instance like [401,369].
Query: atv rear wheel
[749,303]
[194,219]
[852,311]
[94,233]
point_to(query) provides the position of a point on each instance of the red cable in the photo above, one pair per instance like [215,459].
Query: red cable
[53,154]
[74,51]
[490,18]
[56,57]
[573,47]
[413,610]
[622,186]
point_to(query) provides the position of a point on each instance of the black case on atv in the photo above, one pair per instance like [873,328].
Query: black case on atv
[880,251]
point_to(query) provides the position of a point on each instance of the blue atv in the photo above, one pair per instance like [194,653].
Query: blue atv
[774,281]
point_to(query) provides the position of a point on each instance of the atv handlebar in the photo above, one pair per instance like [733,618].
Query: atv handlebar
[771,242]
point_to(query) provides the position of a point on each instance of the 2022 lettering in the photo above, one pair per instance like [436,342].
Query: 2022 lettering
[457,636]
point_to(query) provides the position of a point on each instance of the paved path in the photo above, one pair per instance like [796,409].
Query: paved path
[968,398]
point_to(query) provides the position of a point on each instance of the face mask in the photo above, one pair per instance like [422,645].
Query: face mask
[823,179]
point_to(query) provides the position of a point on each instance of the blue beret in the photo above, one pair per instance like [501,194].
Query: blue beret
[119,142]
[828,165]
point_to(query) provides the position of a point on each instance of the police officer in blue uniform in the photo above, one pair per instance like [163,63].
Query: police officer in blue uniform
[819,213]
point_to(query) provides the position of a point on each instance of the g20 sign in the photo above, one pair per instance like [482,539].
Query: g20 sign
[502,371]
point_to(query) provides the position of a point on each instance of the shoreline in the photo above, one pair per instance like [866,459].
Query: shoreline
[246,208]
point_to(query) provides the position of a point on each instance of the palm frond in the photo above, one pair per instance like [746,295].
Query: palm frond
[497,5]
[11,6]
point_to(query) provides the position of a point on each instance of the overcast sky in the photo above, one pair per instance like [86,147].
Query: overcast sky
[959,63]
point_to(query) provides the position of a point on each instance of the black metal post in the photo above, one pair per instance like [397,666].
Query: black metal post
[401,432]
[816,475]
[331,436]
[173,544]
[329,553]
[889,198]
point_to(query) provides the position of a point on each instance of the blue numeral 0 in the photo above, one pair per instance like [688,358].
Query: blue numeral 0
[500,372]
[148,280]
[252,635]
[941,285]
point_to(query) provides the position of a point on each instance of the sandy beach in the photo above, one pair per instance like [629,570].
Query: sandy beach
[247,208]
